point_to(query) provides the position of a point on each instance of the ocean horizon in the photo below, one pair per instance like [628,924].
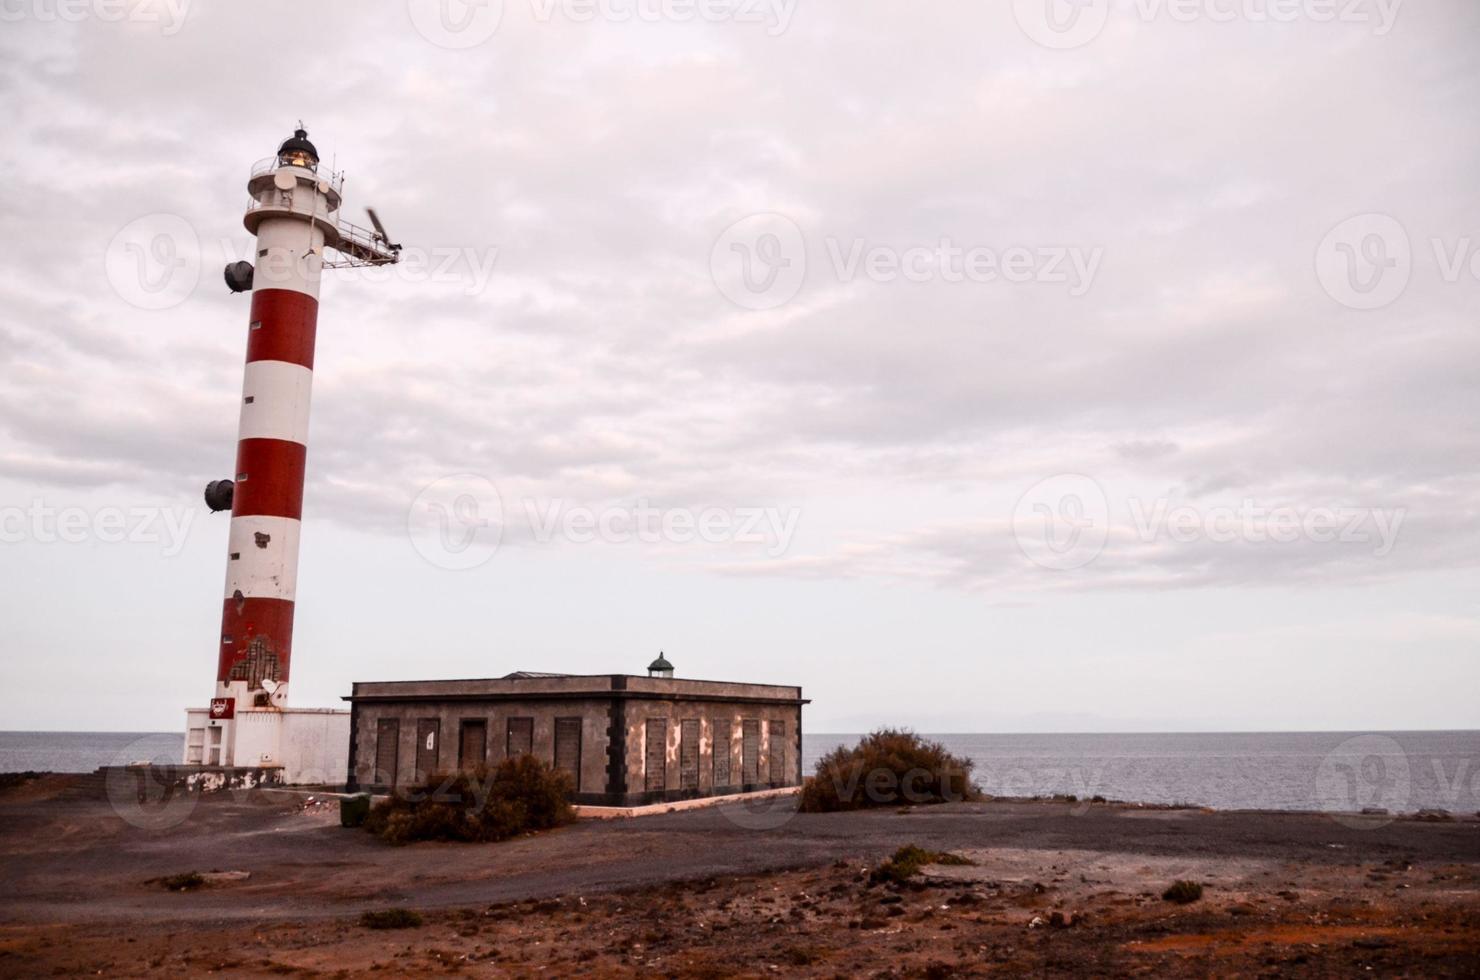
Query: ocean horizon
[1398,771]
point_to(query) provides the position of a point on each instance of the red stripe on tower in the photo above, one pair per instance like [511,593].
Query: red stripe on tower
[269,478]
[283,327]
[256,641]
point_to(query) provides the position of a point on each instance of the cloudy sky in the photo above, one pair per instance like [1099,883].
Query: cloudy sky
[977,366]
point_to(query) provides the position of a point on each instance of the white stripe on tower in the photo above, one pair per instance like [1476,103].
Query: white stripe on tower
[275,397]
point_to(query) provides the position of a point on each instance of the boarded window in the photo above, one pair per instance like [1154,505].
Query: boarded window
[387,751]
[428,735]
[521,737]
[657,754]
[568,749]
[777,751]
[472,746]
[750,751]
[721,752]
[688,754]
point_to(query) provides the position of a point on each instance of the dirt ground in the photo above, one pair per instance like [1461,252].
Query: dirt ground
[1054,888]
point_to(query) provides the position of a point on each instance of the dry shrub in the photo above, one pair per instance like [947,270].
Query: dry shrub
[908,860]
[391,919]
[519,796]
[1183,892]
[887,768]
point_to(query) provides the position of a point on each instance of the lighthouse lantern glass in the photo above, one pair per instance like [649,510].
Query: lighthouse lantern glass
[298,158]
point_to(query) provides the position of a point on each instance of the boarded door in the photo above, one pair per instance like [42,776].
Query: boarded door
[428,735]
[657,754]
[777,747]
[521,737]
[472,747]
[721,751]
[568,749]
[750,751]
[387,751]
[688,754]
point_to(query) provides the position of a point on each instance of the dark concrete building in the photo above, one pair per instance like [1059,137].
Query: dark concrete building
[626,740]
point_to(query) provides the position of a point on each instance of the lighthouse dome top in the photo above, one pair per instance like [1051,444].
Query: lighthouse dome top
[297,151]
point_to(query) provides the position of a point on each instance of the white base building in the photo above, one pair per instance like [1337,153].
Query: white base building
[309,745]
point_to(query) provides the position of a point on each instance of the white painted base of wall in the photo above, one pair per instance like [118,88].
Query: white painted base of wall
[620,812]
[311,745]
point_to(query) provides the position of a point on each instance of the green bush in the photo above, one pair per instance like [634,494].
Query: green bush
[908,860]
[1183,892]
[390,919]
[520,795]
[887,768]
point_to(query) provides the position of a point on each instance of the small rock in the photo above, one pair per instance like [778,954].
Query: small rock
[221,877]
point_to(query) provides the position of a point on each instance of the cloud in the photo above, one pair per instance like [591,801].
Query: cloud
[595,166]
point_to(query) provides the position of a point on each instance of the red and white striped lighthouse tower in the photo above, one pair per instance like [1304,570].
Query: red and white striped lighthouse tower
[293,213]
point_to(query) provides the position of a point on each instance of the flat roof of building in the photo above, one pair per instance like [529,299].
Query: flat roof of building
[524,684]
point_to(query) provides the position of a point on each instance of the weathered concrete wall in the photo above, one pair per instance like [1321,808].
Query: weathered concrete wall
[450,716]
[674,712]
[614,711]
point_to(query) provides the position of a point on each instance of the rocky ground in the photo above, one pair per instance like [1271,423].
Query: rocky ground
[1051,888]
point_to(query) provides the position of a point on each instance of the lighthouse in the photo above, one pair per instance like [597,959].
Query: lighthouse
[293,214]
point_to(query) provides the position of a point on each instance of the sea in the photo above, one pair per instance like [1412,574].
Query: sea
[1338,771]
